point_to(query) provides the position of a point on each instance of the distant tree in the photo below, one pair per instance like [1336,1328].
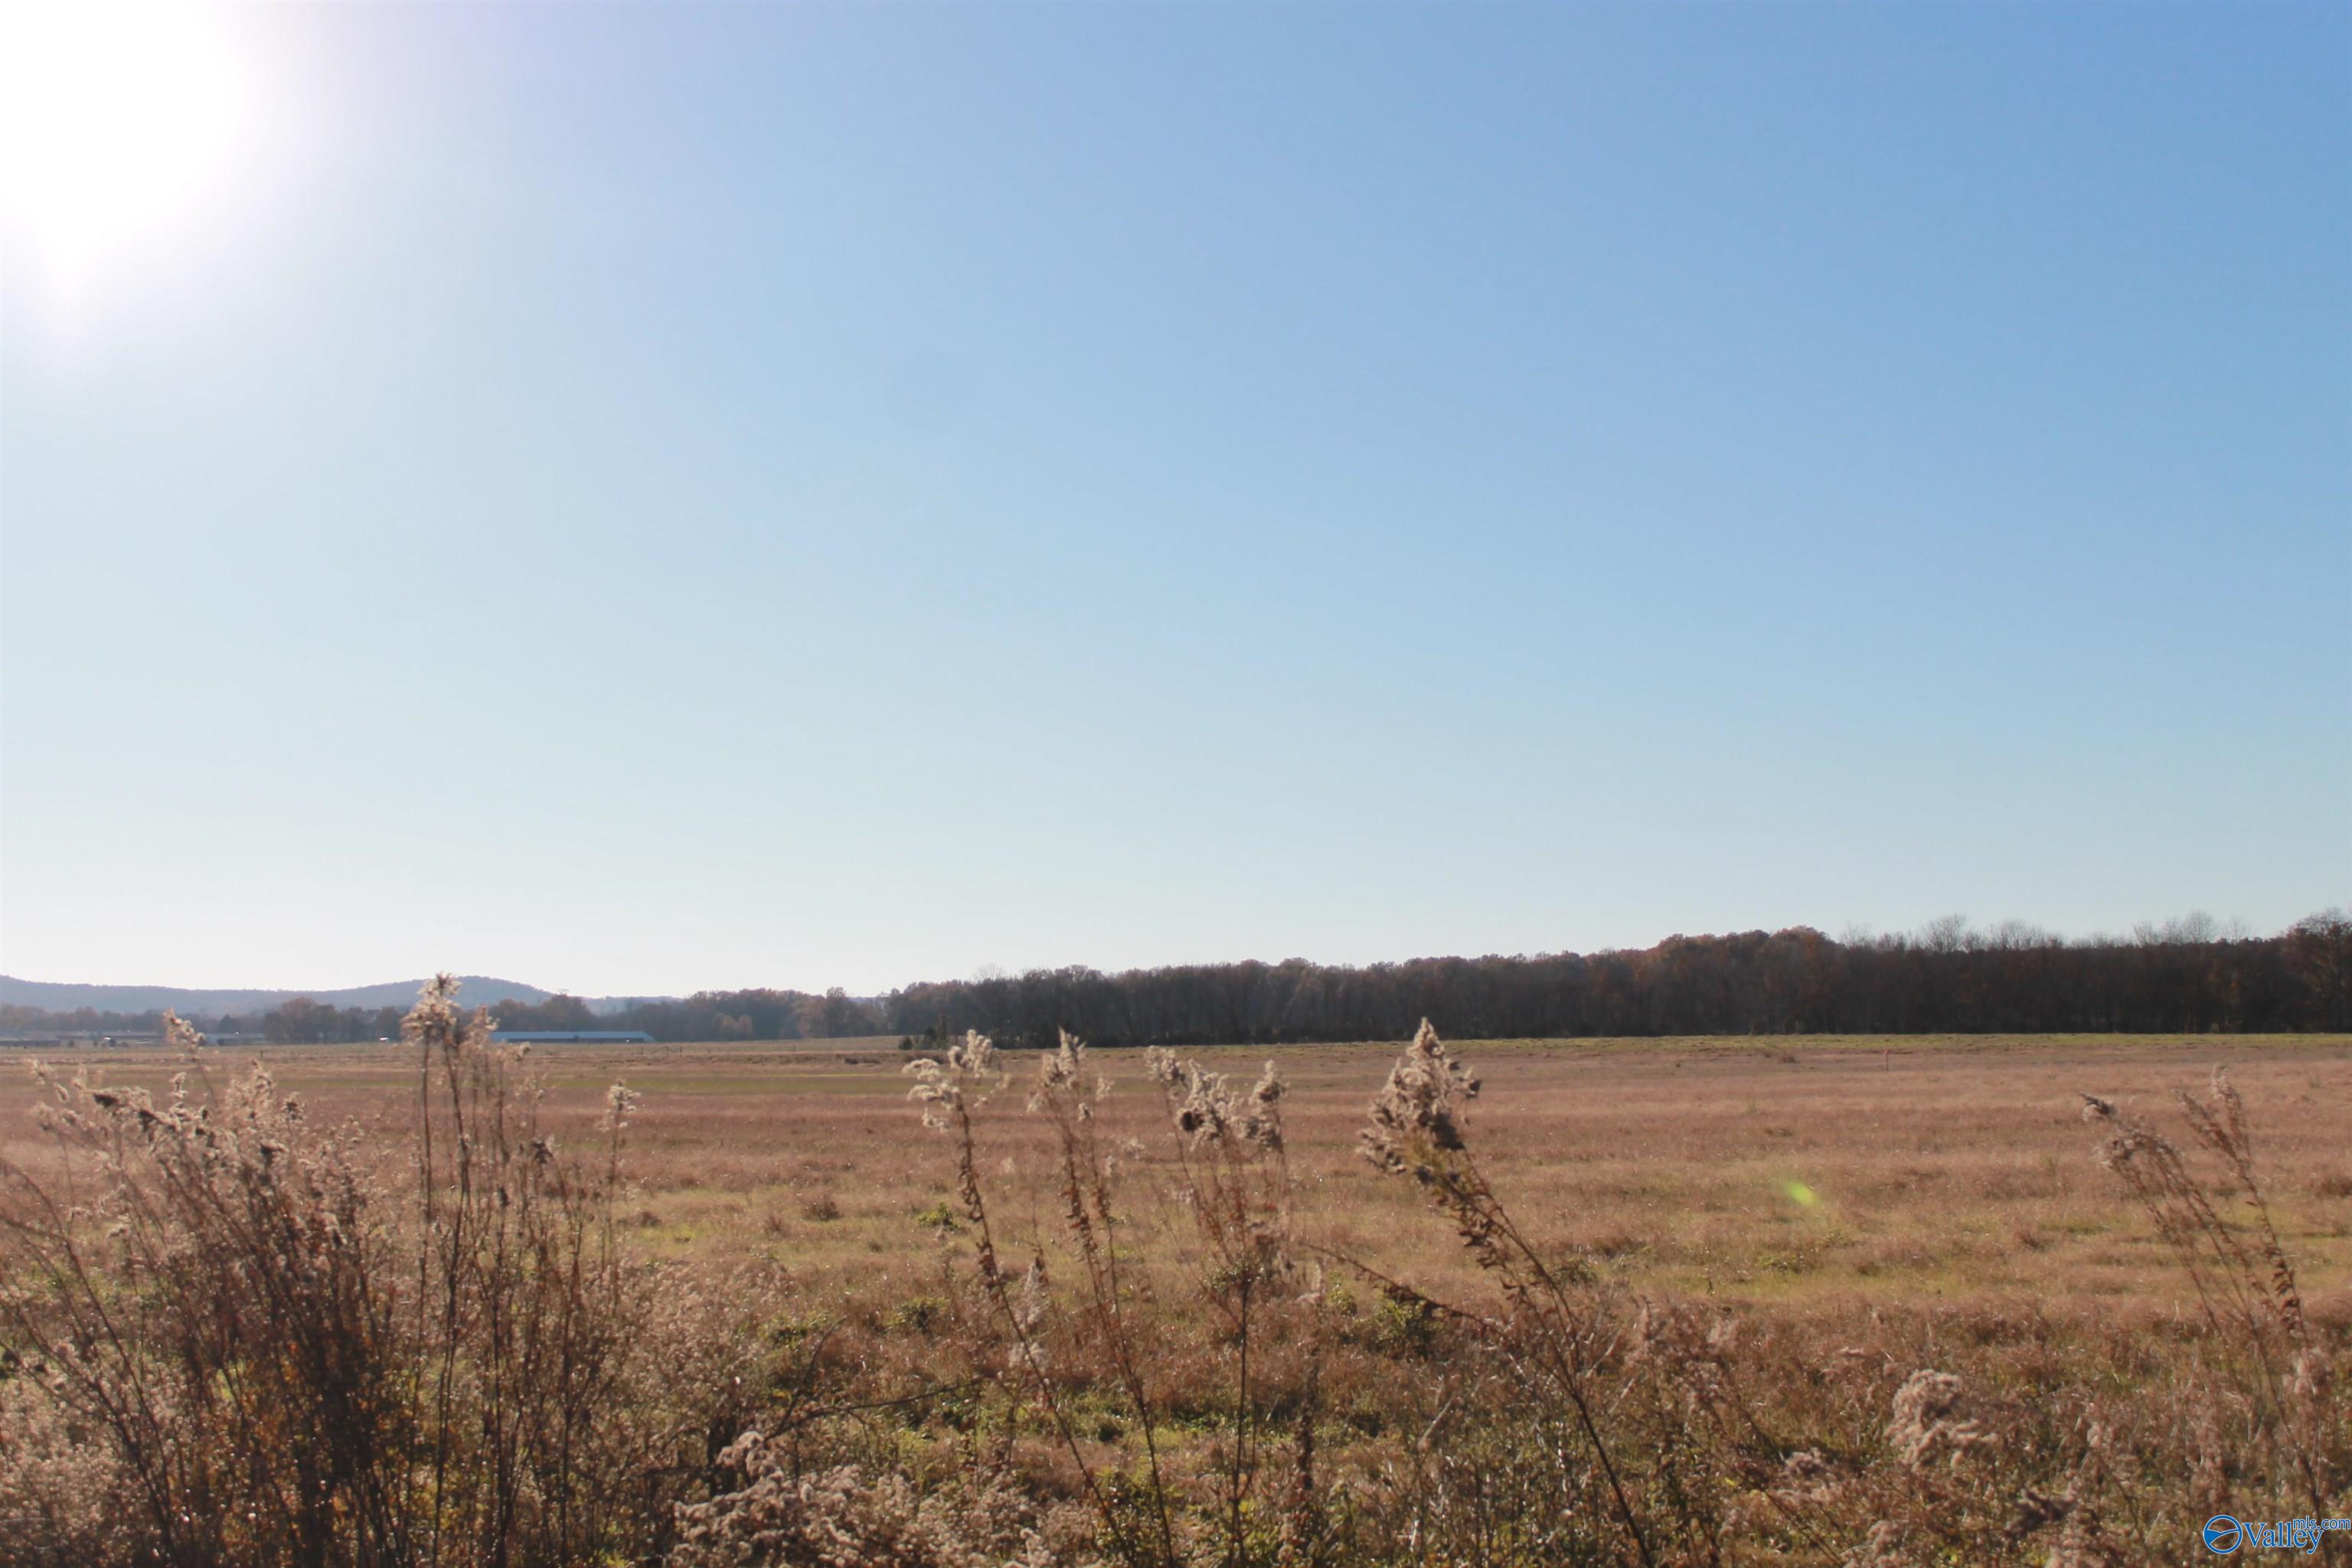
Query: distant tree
[2319,950]
[2184,975]
[302,1021]
[558,1012]
[566,1012]
[834,1015]
[1947,934]
[80,1021]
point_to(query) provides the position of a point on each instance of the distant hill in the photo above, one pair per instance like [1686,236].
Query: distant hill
[473,990]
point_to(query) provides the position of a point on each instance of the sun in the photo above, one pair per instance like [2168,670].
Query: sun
[117,121]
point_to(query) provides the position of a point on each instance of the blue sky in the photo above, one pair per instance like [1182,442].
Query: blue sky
[636,499]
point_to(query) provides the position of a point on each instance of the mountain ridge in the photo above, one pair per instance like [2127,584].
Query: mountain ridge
[57,996]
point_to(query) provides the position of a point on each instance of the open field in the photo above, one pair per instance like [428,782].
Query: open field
[1844,1301]
[1786,1170]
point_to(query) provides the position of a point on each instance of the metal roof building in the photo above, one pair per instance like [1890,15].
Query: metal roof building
[570,1036]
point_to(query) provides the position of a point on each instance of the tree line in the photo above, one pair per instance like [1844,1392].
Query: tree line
[298,1020]
[2185,976]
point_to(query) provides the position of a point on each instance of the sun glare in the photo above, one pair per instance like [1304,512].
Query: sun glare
[116,121]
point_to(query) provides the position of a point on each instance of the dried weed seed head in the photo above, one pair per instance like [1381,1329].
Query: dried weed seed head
[2127,1140]
[1207,1109]
[950,1088]
[2223,1124]
[434,1020]
[1807,1479]
[1925,1423]
[1416,1121]
[1265,1101]
[1804,1466]
[1883,1548]
[1029,1307]
[1062,1071]
[183,1037]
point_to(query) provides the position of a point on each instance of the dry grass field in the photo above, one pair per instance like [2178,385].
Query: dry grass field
[1876,1224]
[1790,1170]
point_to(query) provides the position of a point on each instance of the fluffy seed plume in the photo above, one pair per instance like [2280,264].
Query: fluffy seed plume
[1416,1121]
[947,1089]
[1064,1070]
[1207,1109]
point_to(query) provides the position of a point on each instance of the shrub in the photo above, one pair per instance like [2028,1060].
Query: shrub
[269,1357]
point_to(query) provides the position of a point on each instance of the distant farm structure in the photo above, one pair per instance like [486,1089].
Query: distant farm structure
[572,1036]
[108,1039]
[81,1039]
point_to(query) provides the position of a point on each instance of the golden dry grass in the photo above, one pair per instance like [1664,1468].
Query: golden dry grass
[1788,1171]
[1827,1300]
